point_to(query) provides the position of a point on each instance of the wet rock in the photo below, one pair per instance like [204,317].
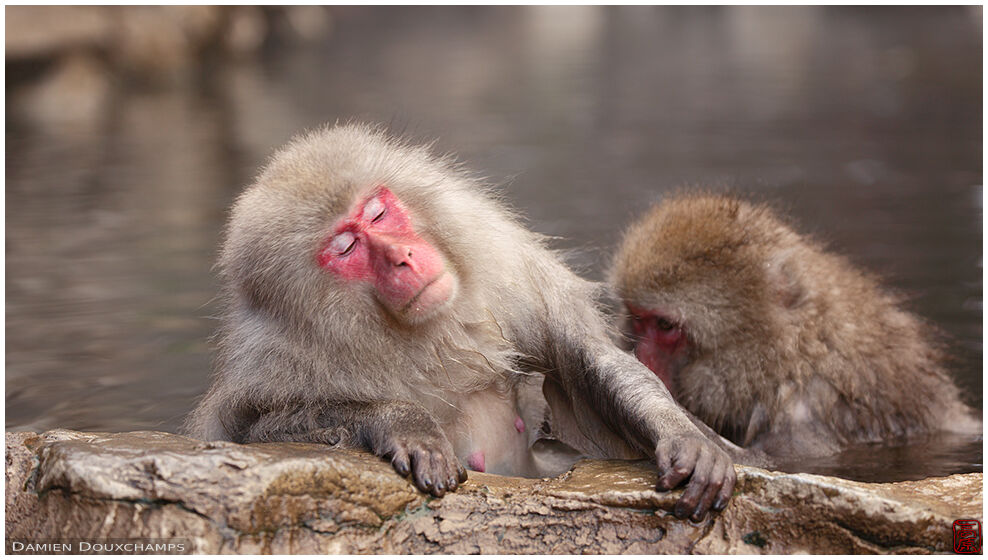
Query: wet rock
[160,43]
[148,45]
[39,31]
[68,66]
[295,498]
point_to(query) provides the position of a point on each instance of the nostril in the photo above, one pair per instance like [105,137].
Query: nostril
[399,255]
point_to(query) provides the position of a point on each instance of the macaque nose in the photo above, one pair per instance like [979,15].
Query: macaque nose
[392,251]
[398,254]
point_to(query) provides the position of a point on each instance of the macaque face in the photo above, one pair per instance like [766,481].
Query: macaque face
[659,342]
[376,244]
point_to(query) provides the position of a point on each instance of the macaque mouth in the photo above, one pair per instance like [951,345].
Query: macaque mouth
[433,294]
[418,295]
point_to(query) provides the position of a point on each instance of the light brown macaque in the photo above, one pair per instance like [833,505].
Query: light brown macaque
[379,297]
[773,342]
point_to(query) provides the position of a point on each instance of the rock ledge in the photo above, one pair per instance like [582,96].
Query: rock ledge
[300,498]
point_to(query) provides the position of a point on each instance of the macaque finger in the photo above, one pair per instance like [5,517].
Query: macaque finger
[400,462]
[698,483]
[454,468]
[439,473]
[726,489]
[677,462]
[716,482]
[422,468]
[663,461]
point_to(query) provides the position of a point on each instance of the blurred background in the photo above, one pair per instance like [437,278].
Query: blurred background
[129,130]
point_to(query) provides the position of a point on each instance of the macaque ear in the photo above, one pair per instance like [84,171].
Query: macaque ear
[783,281]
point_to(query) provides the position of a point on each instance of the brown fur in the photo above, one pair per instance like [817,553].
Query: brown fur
[793,350]
[304,356]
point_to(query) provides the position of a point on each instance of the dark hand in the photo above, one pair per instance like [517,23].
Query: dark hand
[710,472]
[428,456]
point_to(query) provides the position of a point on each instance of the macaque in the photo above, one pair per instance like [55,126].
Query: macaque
[377,296]
[773,342]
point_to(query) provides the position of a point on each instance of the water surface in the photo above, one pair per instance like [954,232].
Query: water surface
[864,124]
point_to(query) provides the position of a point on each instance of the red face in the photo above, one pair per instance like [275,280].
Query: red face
[660,344]
[376,243]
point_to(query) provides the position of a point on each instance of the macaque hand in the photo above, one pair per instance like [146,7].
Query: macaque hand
[427,455]
[709,469]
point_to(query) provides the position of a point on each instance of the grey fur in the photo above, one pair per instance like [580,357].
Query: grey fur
[303,356]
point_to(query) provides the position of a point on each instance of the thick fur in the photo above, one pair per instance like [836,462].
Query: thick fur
[295,341]
[793,350]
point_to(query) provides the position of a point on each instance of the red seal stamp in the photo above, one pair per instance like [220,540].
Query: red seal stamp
[967,536]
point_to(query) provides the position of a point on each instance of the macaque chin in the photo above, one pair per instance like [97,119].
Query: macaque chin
[376,296]
[773,342]
[376,243]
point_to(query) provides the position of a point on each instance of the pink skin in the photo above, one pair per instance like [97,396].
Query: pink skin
[660,343]
[476,461]
[376,243]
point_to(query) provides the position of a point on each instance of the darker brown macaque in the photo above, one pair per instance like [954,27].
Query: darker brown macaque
[773,342]
[378,297]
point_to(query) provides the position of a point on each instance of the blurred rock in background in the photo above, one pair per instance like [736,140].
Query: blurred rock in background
[63,62]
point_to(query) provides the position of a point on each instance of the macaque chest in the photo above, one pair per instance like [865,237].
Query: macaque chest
[489,435]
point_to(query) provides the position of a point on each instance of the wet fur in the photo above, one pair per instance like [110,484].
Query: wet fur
[795,351]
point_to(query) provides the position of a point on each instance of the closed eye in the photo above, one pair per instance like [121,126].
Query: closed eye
[343,244]
[665,324]
[374,209]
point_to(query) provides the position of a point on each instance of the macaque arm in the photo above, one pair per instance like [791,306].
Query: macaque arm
[635,404]
[632,402]
[403,432]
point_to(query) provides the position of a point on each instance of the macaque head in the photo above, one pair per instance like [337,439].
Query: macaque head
[701,279]
[376,244]
[347,225]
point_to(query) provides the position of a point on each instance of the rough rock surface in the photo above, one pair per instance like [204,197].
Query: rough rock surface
[300,498]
